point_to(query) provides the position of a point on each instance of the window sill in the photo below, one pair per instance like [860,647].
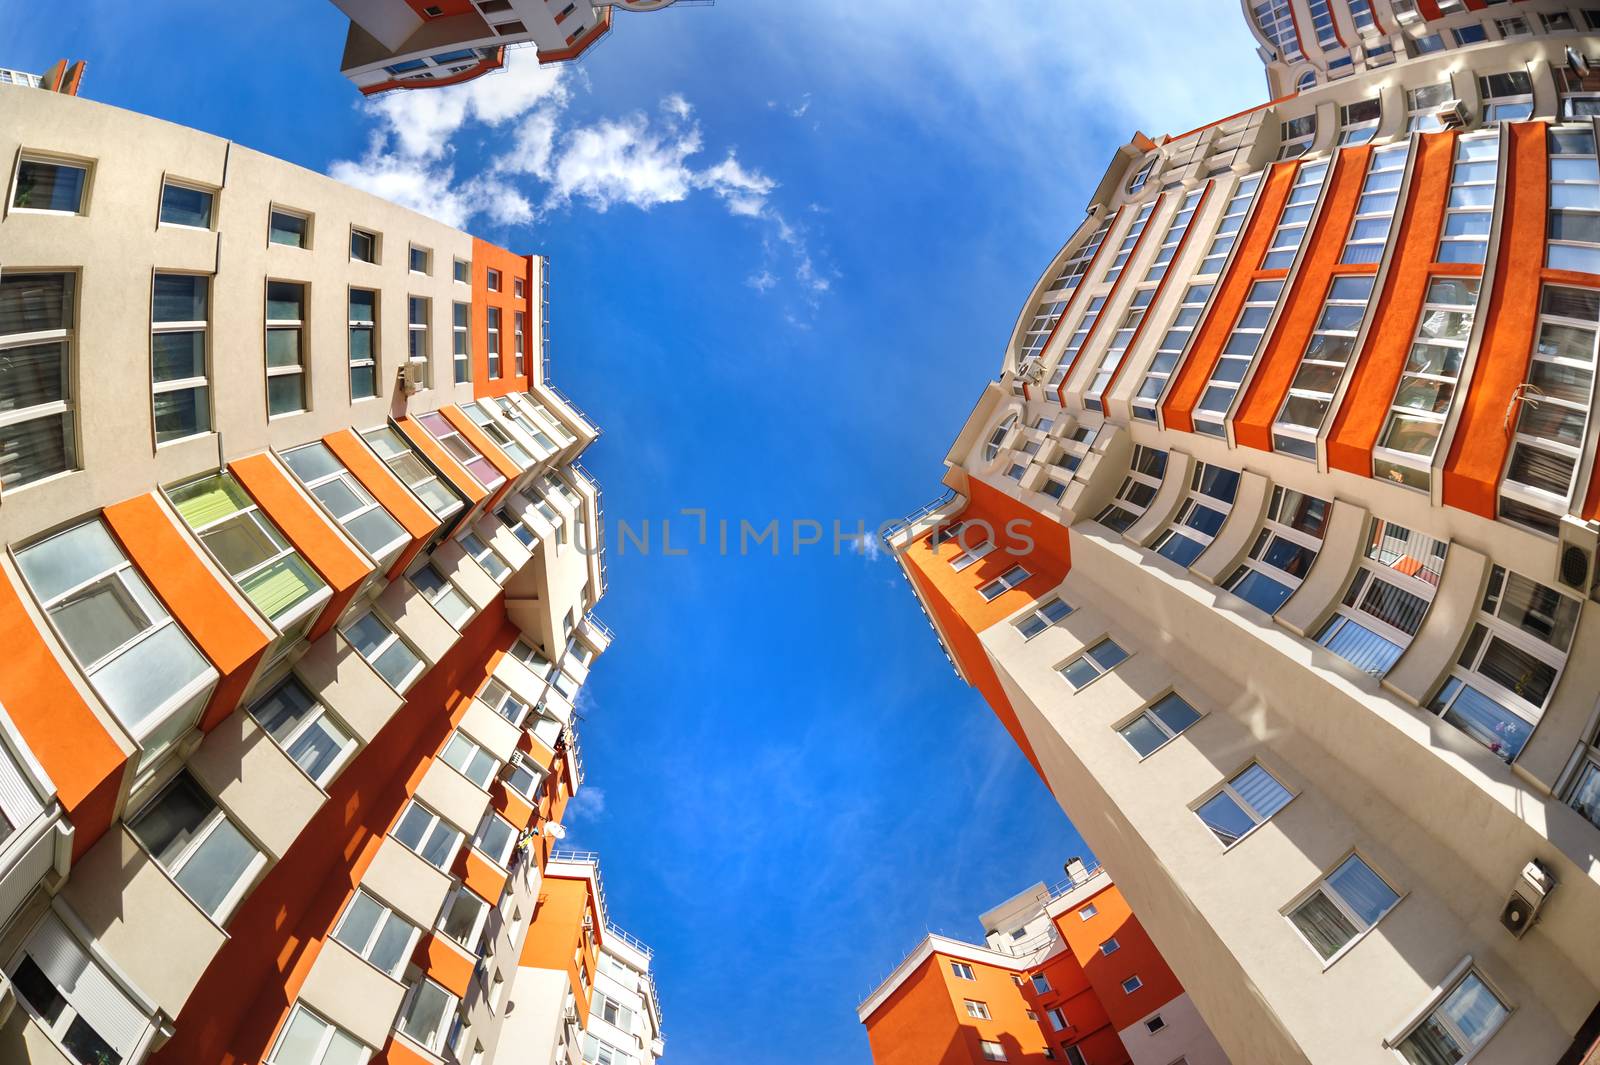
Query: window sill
[206,434]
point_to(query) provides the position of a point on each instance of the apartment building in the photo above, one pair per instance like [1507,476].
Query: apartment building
[411,44]
[297,594]
[1273,545]
[1065,973]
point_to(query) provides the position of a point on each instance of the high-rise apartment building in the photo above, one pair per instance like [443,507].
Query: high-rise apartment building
[412,44]
[1273,546]
[1065,973]
[296,594]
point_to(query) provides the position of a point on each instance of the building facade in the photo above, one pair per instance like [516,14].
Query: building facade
[412,44]
[1273,546]
[297,595]
[1065,973]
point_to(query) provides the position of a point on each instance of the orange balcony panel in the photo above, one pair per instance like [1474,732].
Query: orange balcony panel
[386,488]
[445,963]
[454,472]
[81,757]
[225,631]
[513,807]
[483,876]
[475,436]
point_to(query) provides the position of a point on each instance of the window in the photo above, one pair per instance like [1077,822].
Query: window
[1583,793]
[1283,551]
[489,559]
[286,376]
[615,1013]
[450,603]
[289,228]
[188,834]
[419,309]
[1358,122]
[1580,94]
[1552,417]
[1141,175]
[992,1051]
[1155,727]
[363,246]
[962,970]
[1170,350]
[519,344]
[491,428]
[185,205]
[1422,104]
[1101,658]
[1129,241]
[991,450]
[494,280]
[1088,911]
[463,916]
[305,730]
[971,555]
[246,544]
[1465,1019]
[1342,906]
[1004,583]
[1110,946]
[518,288]
[1558,22]
[351,505]
[1387,599]
[375,932]
[1322,25]
[450,438]
[462,271]
[1041,617]
[498,697]
[1210,500]
[1515,26]
[134,654]
[425,1018]
[1472,33]
[1426,390]
[1175,233]
[49,185]
[425,834]
[1154,1024]
[1296,136]
[460,341]
[363,344]
[384,650]
[1138,489]
[1237,355]
[464,755]
[307,1039]
[392,448]
[1048,313]
[523,777]
[1075,342]
[494,341]
[1131,984]
[1245,801]
[178,321]
[418,260]
[1111,360]
[525,535]
[1427,44]
[1322,364]
[1470,208]
[1075,1056]
[74,999]
[1506,97]
[1058,1019]
[37,434]
[1276,24]
[977,1009]
[1380,192]
[1041,983]
[1228,228]
[1508,670]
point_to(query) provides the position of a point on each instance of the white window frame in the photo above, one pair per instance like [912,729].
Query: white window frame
[319,1055]
[505,699]
[1150,715]
[1173,343]
[370,327]
[318,714]
[444,594]
[482,555]
[1249,329]
[298,369]
[201,384]
[1195,501]
[1089,657]
[461,340]
[1482,151]
[1371,568]
[1346,292]
[393,638]
[1422,106]
[403,448]
[1414,469]
[382,555]
[977,1009]
[64,407]
[411,260]
[493,328]
[417,338]
[1139,477]
[1038,618]
[305,217]
[1110,946]
[373,240]
[60,162]
[1088,911]
[1226,787]
[1354,129]
[192,847]
[435,823]
[434,1040]
[482,918]
[444,431]
[192,186]
[1007,581]
[1274,530]
[1328,891]
[962,970]
[364,950]
[1135,981]
[462,748]
[519,322]
[1466,970]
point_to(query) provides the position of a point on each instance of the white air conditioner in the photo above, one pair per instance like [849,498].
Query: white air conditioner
[1452,114]
[1527,898]
[1577,62]
[1032,371]
[410,378]
[1575,554]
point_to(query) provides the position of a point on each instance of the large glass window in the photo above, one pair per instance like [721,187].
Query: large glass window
[422,831]
[461,341]
[1341,906]
[1506,97]
[351,505]
[377,933]
[1054,302]
[137,658]
[1387,599]
[1322,366]
[188,834]
[178,321]
[363,343]
[398,455]
[1469,211]
[1170,351]
[49,185]
[305,730]
[1008,580]
[426,1016]
[186,205]
[1210,500]
[384,650]
[1276,23]
[1358,122]
[419,313]
[1041,617]
[74,998]
[1075,342]
[1129,241]
[1093,397]
[1422,106]
[1296,216]
[494,342]
[463,917]
[467,757]
[1245,801]
[1157,726]
[246,544]
[307,1039]
[1137,491]
[1573,225]
[1237,354]
[1283,551]
[450,438]
[519,341]
[1427,387]
[450,603]
[1507,672]
[1467,1018]
[37,433]
[1099,659]
[486,557]
[286,370]
[496,838]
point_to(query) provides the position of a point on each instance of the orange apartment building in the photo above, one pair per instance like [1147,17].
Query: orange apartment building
[298,567]
[1064,974]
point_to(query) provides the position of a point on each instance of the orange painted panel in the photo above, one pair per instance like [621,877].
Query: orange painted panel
[1193,374]
[81,757]
[475,436]
[1101,324]
[512,267]
[924,1021]
[579,46]
[385,487]
[513,807]
[1482,439]
[483,876]
[398,1052]
[454,472]
[1302,304]
[1137,956]
[1042,547]
[1376,368]
[445,963]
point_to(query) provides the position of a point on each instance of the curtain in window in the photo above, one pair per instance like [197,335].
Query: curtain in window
[1394,606]
[33,375]
[1258,788]
[1362,890]
[203,502]
[1359,646]
[1324,927]
[1430,1044]
[275,589]
[34,303]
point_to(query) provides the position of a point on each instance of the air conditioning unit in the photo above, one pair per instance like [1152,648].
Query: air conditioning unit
[410,378]
[1452,114]
[1032,371]
[1575,554]
[1577,62]
[588,920]
[1527,898]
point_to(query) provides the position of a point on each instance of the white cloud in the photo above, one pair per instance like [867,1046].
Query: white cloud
[588,803]
[761,280]
[624,161]
[743,191]
[867,546]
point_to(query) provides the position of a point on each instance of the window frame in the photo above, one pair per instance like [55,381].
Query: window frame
[1323,886]
[962,970]
[1466,969]
[1086,656]
[324,1043]
[372,236]
[446,591]
[306,218]
[1226,787]
[370,328]
[388,915]
[1371,568]
[302,367]
[404,448]
[59,161]
[419,337]
[1274,530]
[1148,713]
[65,338]
[319,712]
[440,1032]
[391,640]
[210,191]
[435,822]
[190,849]
[201,384]
[1007,581]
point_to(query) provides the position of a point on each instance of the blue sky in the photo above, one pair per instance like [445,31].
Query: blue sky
[789,243]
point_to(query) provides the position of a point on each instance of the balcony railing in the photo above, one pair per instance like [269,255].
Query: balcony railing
[894,530]
[599,626]
[1061,887]
[544,351]
[599,522]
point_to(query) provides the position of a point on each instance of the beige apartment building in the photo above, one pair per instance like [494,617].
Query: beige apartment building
[298,566]
[1273,545]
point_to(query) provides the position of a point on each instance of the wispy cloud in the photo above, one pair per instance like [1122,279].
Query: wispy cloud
[587,805]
